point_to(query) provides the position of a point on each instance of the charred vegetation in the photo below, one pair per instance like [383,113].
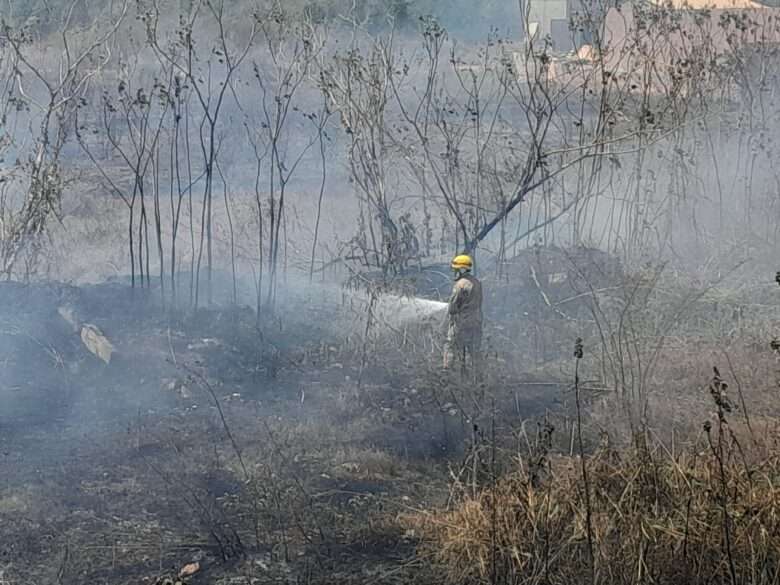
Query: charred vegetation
[225,239]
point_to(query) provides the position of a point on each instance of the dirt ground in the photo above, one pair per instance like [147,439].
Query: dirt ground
[207,447]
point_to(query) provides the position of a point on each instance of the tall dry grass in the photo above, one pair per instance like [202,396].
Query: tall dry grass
[707,513]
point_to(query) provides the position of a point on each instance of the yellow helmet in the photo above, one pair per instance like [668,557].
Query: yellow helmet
[462,262]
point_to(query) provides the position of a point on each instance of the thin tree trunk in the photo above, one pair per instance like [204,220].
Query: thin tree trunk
[324,170]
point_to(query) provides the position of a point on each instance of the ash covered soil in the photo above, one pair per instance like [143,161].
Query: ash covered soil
[211,450]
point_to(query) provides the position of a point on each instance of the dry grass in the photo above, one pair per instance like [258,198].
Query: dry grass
[657,517]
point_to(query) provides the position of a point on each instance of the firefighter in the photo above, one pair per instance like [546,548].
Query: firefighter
[464,327]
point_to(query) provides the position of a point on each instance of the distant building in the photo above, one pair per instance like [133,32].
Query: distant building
[704,31]
[550,21]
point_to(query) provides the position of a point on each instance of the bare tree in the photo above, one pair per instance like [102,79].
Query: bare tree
[321,121]
[359,86]
[290,47]
[45,98]
[209,77]
[133,124]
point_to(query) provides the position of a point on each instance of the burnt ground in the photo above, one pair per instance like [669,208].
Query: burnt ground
[278,455]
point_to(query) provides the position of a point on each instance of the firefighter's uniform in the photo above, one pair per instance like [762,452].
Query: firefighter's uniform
[464,328]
